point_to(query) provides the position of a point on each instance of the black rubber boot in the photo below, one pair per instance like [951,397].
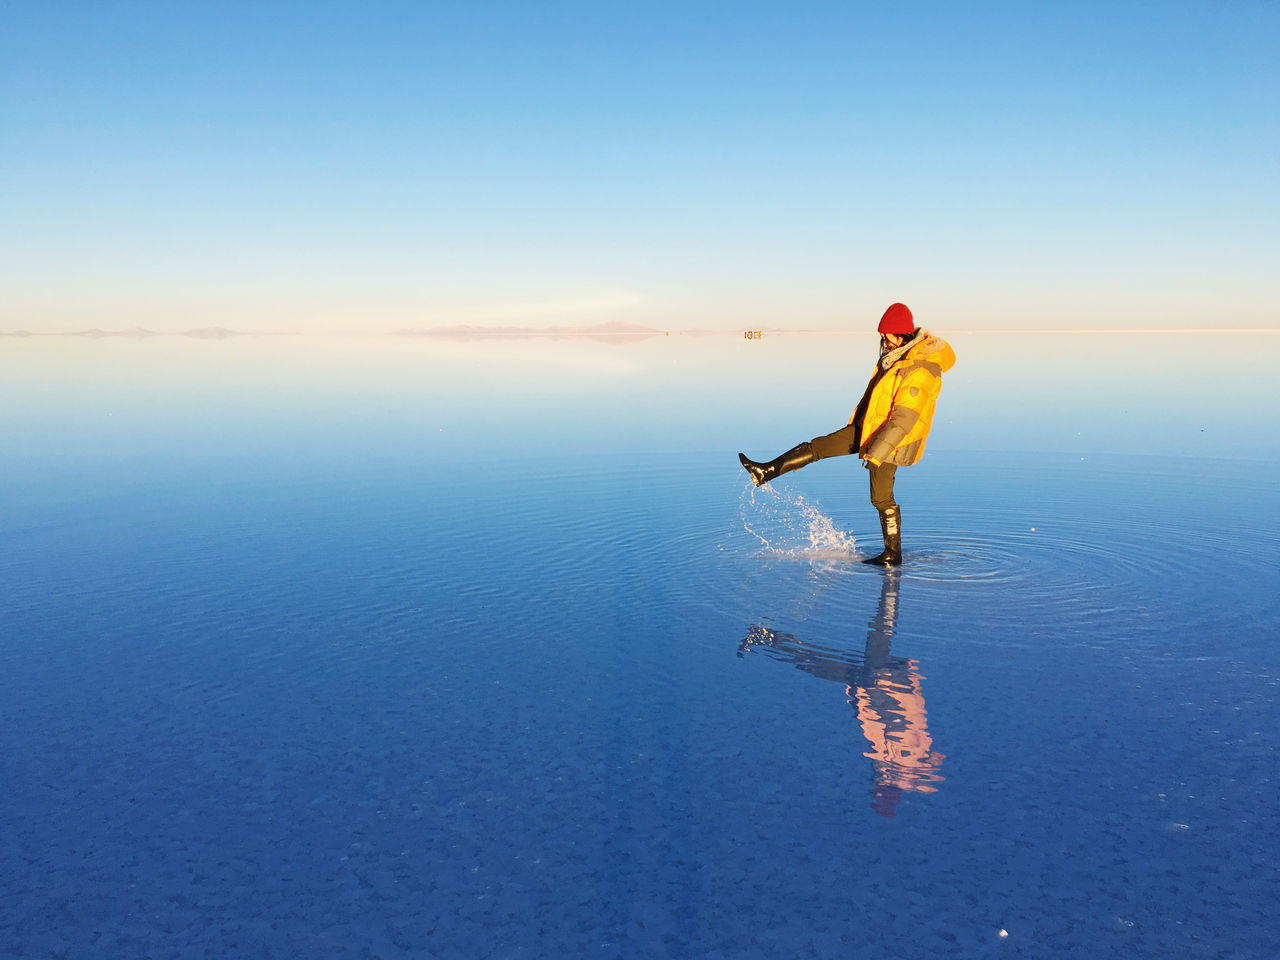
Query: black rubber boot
[891,530]
[798,456]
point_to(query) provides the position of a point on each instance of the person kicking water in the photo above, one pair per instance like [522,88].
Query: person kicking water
[889,426]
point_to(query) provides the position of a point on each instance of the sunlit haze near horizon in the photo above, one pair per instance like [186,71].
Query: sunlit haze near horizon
[326,167]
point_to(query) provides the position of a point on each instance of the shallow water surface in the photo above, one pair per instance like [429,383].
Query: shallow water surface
[267,697]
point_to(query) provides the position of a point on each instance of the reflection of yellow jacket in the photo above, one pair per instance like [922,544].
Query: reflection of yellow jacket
[897,409]
[891,711]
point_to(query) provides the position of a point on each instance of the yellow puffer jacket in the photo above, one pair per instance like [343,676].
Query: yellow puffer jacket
[900,400]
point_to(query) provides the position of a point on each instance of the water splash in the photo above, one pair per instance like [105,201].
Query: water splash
[788,525]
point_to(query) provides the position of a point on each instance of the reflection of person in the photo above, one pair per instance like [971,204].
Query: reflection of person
[886,694]
[890,425]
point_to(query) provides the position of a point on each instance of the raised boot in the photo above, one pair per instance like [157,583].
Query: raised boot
[798,456]
[891,531]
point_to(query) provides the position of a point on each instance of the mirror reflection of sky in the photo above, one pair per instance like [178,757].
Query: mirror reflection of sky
[355,646]
[169,398]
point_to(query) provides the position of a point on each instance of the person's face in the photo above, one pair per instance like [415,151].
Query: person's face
[890,341]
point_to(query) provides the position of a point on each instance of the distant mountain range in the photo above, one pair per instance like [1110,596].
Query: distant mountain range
[612,332]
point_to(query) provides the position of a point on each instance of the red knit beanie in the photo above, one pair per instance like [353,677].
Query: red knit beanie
[897,319]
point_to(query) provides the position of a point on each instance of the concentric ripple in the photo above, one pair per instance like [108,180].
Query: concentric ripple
[1053,563]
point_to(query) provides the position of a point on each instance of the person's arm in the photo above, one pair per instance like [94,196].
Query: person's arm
[891,433]
[909,401]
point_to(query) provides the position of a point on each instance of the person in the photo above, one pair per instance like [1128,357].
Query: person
[888,428]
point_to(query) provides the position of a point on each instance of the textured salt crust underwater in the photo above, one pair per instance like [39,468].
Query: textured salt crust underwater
[351,720]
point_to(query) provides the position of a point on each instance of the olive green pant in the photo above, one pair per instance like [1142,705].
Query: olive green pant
[844,442]
[882,486]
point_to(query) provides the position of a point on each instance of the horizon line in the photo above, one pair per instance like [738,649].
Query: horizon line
[560,332]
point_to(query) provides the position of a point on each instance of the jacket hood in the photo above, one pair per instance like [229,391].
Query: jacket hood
[923,346]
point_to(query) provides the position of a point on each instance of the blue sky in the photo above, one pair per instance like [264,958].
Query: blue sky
[377,166]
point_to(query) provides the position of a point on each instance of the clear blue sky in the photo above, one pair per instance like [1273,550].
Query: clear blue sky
[380,165]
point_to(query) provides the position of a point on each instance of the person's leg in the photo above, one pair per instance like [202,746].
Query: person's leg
[761,473]
[838,444]
[882,486]
[890,514]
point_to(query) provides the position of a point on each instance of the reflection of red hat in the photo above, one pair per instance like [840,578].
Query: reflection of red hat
[884,799]
[897,319]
